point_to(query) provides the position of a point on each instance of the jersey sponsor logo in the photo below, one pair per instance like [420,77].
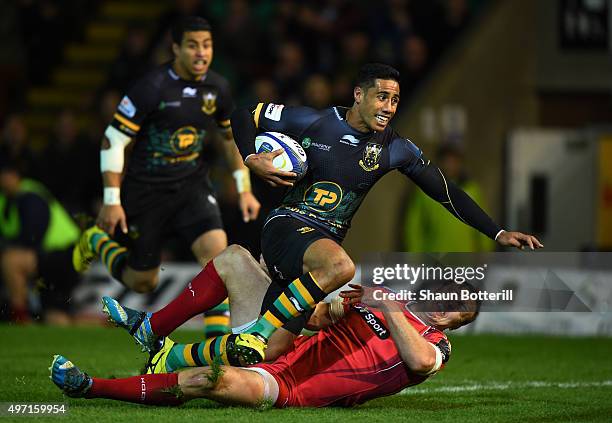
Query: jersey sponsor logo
[274,111]
[304,229]
[164,104]
[379,329]
[190,92]
[184,140]
[323,196]
[306,142]
[349,140]
[371,156]
[209,104]
[323,147]
[127,107]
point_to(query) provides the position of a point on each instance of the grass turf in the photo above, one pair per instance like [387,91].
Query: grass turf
[489,378]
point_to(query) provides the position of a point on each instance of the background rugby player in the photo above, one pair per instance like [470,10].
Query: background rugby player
[166,114]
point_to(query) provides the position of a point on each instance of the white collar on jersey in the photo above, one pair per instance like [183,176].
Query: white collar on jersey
[175,76]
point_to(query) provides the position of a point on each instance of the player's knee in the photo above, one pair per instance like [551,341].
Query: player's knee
[144,286]
[344,270]
[340,267]
[233,257]
[194,382]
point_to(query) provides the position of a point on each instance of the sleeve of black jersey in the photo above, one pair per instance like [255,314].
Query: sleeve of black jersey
[269,117]
[139,101]
[412,163]
[225,106]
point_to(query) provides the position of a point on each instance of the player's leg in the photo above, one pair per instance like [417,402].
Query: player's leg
[205,247]
[224,384]
[18,265]
[325,266]
[133,258]
[232,272]
[199,224]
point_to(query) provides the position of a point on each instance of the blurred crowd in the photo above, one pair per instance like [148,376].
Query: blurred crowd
[288,51]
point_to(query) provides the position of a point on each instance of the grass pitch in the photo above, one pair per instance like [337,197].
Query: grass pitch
[489,378]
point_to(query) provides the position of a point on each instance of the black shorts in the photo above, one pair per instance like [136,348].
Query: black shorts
[155,211]
[56,279]
[284,240]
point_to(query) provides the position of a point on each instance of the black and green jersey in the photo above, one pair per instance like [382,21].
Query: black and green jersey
[343,163]
[169,117]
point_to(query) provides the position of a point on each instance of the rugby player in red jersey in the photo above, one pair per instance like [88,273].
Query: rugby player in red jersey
[363,350]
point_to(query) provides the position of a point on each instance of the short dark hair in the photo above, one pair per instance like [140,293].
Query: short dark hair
[372,71]
[188,24]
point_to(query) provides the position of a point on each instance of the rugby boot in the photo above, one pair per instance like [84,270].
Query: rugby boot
[136,322]
[249,348]
[83,252]
[157,360]
[69,378]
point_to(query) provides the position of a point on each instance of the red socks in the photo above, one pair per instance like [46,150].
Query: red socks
[161,389]
[204,292]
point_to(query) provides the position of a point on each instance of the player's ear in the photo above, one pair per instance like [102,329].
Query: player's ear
[176,49]
[358,94]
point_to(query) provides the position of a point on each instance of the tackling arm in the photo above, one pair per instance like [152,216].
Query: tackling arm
[420,356]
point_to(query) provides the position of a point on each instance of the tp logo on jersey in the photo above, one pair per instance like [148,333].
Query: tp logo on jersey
[323,196]
[209,105]
[184,139]
[371,155]
[127,107]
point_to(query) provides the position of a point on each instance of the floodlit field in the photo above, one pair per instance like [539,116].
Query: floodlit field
[489,378]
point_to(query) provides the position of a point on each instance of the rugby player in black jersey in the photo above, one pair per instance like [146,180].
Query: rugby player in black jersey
[349,150]
[164,187]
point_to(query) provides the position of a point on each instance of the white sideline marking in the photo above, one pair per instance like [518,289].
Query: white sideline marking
[502,386]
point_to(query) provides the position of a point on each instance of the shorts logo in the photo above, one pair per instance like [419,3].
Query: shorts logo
[371,156]
[127,107]
[323,196]
[379,329]
[184,140]
[209,105]
[305,229]
[274,111]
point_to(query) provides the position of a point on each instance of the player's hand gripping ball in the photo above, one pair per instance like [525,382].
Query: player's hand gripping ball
[293,158]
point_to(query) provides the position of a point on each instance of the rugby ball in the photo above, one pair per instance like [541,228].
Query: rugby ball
[293,158]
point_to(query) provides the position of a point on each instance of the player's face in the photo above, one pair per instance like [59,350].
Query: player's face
[194,55]
[378,104]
